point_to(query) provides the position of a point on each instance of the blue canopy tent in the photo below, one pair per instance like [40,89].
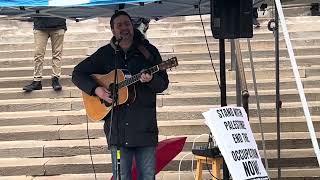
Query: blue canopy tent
[85,9]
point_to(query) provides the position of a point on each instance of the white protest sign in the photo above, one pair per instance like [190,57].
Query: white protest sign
[233,135]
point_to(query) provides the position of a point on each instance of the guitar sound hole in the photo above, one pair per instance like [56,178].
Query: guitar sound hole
[106,103]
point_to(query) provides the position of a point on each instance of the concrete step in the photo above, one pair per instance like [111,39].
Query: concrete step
[159,38]
[193,43]
[43,117]
[178,49]
[183,117]
[80,146]
[168,128]
[196,28]
[195,64]
[157,29]
[87,176]
[255,45]
[46,92]
[50,99]
[186,112]
[27,71]
[28,61]
[166,98]
[261,53]
[287,174]
[265,96]
[174,87]
[30,53]
[207,75]
[259,63]
[19,112]
[195,22]
[184,64]
[102,163]
[209,86]
[187,86]
[166,35]
[174,76]
[71,99]
[60,104]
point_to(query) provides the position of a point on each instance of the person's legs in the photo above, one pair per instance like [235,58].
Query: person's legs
[146,162]
[126,156]
[40,40]
[255,17]
[57,37]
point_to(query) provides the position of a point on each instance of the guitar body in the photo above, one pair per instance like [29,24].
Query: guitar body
[96,108]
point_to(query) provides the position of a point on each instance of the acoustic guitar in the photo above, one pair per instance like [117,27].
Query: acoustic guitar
[97,108]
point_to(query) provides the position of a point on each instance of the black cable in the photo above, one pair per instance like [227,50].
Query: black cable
[209,141]
[205,36]
[88,136]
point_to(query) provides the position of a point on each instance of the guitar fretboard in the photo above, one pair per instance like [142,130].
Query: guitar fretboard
[136,77]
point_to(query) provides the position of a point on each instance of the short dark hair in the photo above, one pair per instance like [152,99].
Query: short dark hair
[116,14]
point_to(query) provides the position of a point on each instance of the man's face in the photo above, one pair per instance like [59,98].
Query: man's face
[122,27]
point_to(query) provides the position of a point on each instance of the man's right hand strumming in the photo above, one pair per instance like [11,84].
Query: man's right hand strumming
[103,93]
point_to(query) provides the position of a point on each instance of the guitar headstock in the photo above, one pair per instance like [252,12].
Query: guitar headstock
[172,62]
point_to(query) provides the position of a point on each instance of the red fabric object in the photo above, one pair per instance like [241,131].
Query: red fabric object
[165,152]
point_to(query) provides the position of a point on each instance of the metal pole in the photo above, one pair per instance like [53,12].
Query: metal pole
[258,105]
[223,91]
[234,67]
[278,102]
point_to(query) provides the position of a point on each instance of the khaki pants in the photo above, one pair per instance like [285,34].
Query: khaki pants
[41,39]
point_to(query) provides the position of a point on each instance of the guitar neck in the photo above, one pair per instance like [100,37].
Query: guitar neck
[136,78]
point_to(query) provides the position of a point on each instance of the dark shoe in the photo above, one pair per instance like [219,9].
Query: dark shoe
[55,84]
[35,85]
[255,23]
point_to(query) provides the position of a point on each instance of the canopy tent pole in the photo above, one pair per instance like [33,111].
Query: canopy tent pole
[278,101]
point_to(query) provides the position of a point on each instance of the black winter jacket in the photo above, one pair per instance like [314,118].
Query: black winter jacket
[136,123]
[42,23]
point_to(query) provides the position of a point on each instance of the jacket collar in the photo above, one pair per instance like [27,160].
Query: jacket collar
[112,42]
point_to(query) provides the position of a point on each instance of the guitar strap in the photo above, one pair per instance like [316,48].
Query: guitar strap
[144,51]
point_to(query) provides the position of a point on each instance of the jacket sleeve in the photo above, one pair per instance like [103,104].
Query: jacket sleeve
[160,80]
[81,75]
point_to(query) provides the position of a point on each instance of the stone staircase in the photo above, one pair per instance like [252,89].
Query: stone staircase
[44,134]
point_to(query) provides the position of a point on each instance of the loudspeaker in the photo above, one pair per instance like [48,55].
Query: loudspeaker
[231,19]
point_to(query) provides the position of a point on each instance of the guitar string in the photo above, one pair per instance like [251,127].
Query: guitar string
[136,77]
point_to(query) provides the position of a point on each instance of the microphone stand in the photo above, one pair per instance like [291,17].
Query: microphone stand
[115,103]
